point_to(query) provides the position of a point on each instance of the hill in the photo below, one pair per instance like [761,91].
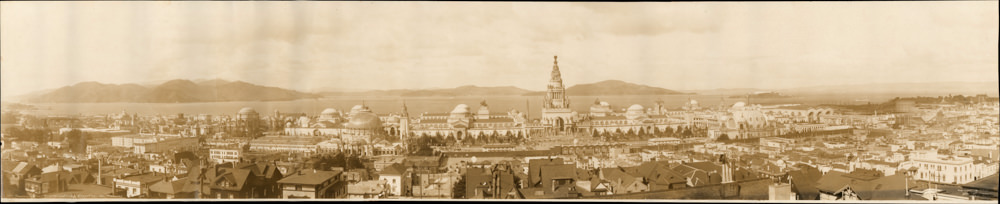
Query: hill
[928,89]
[173,91]
[612,88]
[458,91]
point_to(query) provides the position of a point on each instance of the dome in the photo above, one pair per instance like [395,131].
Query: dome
[393,120]
[329,111]
[247,110]
[739,105]
[635,107]
[605,103]
[693,102]
[364,120]
[515,111]
[461,108]
[357,108]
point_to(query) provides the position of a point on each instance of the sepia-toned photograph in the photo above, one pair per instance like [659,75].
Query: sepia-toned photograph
[831,102]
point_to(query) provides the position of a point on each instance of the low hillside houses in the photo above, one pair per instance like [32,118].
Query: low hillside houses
[241,180]
[841,186]
[313,184]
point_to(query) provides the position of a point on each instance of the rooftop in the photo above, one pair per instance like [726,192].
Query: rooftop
[311,177]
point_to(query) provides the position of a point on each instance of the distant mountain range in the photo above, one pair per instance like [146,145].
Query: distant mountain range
[217,90]
[459,91]
[609,87]
[173,91]
[612,88]
[927,88]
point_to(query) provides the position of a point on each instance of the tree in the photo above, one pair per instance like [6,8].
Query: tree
[458,189]
[687,133]
[723,137]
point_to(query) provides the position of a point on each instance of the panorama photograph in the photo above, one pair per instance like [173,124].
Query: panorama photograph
[500,101]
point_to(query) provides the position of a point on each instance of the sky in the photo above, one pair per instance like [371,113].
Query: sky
[311,46]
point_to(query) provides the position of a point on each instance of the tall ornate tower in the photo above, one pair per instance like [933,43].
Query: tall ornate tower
[404,124]
[555,107]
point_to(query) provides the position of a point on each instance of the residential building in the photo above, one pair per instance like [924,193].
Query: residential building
[223,155]
[313,184]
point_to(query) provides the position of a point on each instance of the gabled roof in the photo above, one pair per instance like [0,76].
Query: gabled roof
[170,187]
[53,176]
[883,188]
[144,178]
[987,183]
[311,178]
[365,187]
[239,177]
[614,175]
[395,169]
[24,168]
[804,182]
[706,166]
[8,165]
[550,172]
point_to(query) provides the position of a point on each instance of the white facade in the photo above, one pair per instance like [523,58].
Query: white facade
[225,155]
[164,145]
[943,169]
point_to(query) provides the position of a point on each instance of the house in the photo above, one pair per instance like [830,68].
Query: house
[51,182]
[550,179]
[804,182]
[241,180]
[659,175]
[171,189]
[367,189]
[857,186]
[313,184]
[497,182]
[133,186]
[393,176]
[620,182]
[425,164]
[434,185]
[17,173]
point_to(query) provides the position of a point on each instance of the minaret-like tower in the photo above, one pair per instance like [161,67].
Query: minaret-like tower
[556,95]
[404,123]
[555,107]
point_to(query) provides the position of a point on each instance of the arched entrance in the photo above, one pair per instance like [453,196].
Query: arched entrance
[559,123]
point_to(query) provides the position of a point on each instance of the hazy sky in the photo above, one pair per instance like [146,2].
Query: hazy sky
[390,45]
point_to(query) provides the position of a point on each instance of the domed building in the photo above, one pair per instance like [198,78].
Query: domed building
[635,112]
[459,116]
[362,126]
[361,130]
[247,113]
[331,115]
[461,124]
[247,123]
[359,108]
[746,121]
[692,105]
[600,109]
